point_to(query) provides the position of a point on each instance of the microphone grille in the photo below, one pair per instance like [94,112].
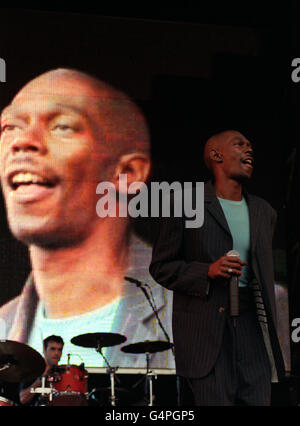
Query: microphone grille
[233,253]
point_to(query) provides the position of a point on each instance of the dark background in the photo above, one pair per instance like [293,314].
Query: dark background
[193,71]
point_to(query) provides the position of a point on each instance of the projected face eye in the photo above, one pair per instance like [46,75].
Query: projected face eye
[65,126]
[7,128]
[62,127]
[63,130]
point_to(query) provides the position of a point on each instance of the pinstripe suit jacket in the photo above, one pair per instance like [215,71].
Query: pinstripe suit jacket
[180,262]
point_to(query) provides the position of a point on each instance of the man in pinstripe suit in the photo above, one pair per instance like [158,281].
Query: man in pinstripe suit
[225,362]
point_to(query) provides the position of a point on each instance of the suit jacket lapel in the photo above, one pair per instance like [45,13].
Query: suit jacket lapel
[254,215]
[25,313]
[214,207]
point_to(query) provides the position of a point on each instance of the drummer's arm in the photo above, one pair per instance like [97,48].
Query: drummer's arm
[26,395]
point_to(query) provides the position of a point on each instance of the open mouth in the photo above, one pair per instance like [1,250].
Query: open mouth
[248,161]
[21,179]
[28,187]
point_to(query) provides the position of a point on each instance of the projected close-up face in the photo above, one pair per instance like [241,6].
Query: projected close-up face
[64,133]
[52,157]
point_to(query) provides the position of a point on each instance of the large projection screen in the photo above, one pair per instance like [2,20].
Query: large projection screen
[189,80]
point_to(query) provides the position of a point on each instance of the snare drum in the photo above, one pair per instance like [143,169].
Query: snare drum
[5,402]
[70,384]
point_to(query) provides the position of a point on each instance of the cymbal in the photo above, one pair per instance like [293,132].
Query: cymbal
[147,346]
[19,362]
[94,340]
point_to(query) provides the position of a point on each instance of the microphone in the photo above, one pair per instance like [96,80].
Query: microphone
[234,288]
[134,281]
[143,287]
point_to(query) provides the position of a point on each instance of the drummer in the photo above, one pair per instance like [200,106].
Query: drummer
[52,349]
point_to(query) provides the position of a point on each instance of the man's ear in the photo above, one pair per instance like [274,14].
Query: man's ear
[133,167]
[215,156]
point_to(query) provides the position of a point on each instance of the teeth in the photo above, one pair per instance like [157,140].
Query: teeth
[26,178]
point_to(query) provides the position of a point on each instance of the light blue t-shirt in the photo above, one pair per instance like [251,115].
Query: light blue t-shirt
[237,216]
[100,320]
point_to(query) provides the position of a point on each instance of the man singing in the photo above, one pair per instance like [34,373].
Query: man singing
[227,360]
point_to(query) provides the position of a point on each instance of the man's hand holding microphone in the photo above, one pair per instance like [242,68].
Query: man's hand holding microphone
[229,266]
[226,266]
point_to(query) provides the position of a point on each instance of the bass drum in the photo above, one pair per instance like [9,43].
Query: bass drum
[5,402]
[70,385]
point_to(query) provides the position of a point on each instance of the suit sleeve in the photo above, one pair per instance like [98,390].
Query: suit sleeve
[168,266]
[273,220]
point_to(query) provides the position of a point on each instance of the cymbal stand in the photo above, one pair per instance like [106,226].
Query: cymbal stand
[46,393]
[112,372]
[149,381]
[166,335]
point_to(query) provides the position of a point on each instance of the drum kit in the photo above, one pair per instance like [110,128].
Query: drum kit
[18,362]
[67,385]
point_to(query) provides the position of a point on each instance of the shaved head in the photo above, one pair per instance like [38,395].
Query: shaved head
[123,126]
[215,144]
